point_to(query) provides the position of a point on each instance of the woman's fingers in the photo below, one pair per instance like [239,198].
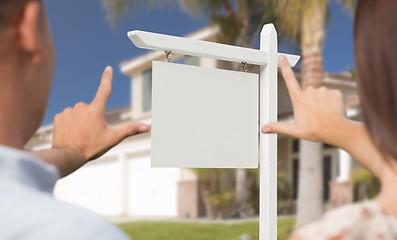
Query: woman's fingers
[294,90]
[289,77]
[282,128]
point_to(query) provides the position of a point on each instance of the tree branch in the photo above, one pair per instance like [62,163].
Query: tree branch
[244,18]
[228,8]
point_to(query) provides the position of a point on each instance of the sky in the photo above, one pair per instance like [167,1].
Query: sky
[86,43]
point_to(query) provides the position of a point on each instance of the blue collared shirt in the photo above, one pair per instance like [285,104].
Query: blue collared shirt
[28,210]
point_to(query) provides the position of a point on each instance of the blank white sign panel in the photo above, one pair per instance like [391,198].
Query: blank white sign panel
[203,117]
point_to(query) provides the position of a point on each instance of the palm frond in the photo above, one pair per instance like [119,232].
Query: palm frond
[229,29]
[118,8]
[349,4]
[201,8]
[290,14]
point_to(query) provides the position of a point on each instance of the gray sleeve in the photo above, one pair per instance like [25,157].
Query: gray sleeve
[83,225]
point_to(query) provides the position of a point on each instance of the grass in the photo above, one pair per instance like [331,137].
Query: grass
[201,231]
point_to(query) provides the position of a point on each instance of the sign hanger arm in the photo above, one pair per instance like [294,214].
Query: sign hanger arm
[199,48]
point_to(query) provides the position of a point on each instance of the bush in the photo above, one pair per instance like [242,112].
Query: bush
[365,184]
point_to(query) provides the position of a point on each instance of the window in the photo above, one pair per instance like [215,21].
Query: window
[295,146]
[327,175]
[147,90]
[327,146]
[295,177]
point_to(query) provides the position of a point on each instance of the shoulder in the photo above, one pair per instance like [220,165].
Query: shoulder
[332,223]
[40,216]
[362,221]
[85,224]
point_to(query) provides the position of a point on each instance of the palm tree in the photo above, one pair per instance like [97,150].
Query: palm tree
[305,19]
[240,22]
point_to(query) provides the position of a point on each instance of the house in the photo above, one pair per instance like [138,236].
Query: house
[121,183]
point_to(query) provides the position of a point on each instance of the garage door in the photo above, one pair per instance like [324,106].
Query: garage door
[152,191]
[96,186]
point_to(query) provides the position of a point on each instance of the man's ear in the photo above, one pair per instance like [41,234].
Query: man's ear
[29,30]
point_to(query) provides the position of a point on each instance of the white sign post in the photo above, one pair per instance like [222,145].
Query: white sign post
[268,142]
[183,135]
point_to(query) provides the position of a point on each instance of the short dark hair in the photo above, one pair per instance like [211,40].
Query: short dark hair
[375,39]
[9,10]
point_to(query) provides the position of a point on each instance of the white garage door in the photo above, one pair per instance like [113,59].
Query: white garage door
[152,191]
[96,186]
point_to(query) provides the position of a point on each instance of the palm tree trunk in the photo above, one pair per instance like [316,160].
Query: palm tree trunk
[207,188]
[242,209]
[310,201]
[310,194]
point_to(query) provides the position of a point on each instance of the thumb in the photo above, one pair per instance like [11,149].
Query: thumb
[130,129]
[277,127]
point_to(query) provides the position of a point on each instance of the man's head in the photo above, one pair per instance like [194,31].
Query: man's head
[26,65]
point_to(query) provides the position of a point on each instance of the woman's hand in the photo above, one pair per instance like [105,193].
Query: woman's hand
[320,116]
[317,112]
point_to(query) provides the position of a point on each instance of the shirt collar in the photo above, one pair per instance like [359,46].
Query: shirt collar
[21,167]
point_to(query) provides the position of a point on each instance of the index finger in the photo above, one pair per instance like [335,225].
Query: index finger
[105,88]
[289,77]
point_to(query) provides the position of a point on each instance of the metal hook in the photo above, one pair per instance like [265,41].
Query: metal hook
[245,66]
[168,56]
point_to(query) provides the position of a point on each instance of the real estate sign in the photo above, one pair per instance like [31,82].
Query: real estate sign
[203,117]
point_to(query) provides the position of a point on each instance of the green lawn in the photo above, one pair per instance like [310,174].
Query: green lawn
[200,231]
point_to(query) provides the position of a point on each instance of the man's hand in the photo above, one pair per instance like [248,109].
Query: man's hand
[82,134]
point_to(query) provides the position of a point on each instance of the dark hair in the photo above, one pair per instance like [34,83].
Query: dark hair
[9,10]
[375,39]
